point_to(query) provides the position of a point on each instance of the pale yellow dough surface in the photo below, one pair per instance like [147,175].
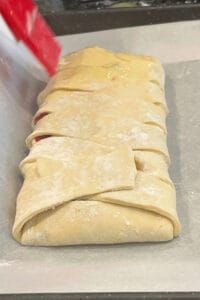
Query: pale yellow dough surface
[97,171]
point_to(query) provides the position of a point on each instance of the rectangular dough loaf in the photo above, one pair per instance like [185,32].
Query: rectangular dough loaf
[97,171]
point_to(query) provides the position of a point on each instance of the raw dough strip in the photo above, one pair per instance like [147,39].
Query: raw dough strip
[93,126]
[57,148]
[72,80]
[150,93]
[62,101]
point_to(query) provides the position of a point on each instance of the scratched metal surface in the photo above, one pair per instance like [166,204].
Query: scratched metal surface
[172,266]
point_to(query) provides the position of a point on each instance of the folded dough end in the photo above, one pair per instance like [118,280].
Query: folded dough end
[94,222]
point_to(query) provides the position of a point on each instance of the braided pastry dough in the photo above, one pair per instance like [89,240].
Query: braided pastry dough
[97,171]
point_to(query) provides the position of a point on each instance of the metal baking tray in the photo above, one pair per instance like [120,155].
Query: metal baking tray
[133,271]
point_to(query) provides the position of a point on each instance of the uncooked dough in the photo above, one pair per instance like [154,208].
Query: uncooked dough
[97,171]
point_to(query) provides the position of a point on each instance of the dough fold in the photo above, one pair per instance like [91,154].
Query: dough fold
[97,171]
